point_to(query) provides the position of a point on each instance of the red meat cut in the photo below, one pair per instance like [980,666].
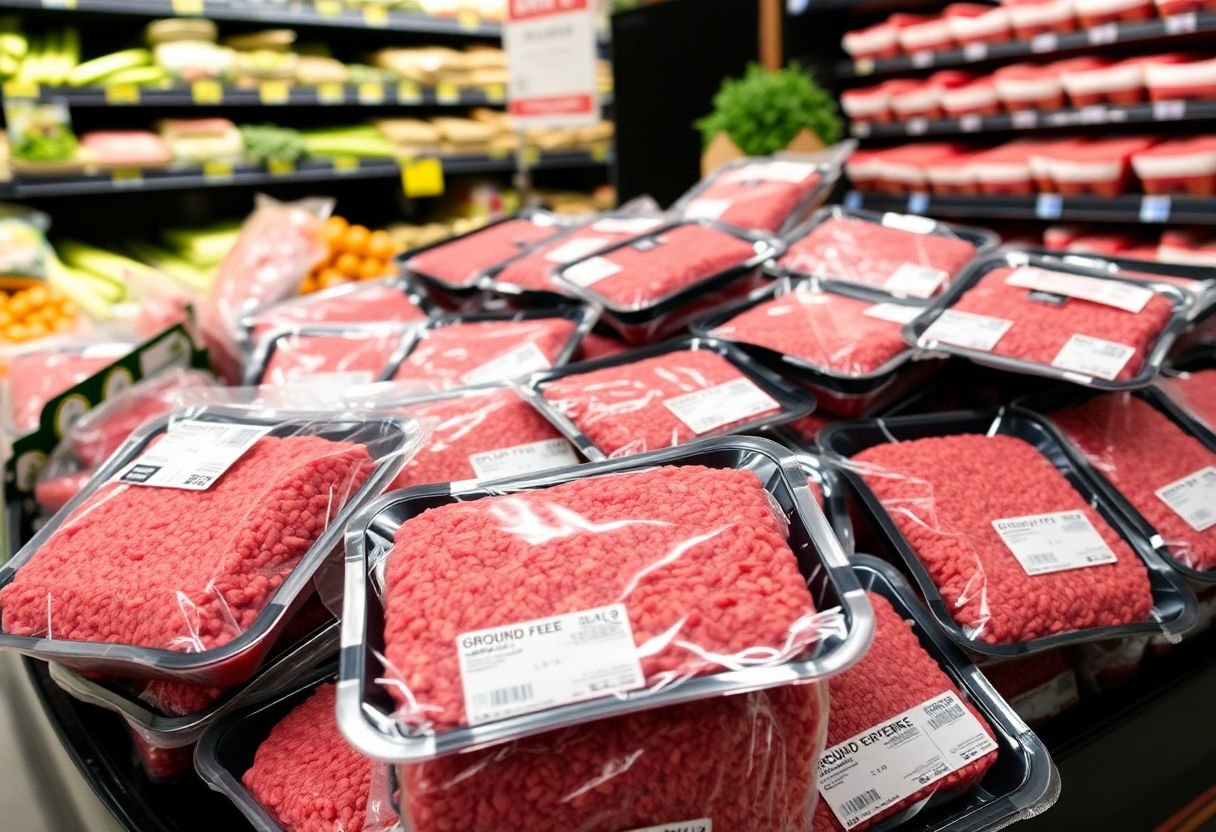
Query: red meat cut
[744,762]
[860,251]
[1140,450]
[365,353]
[480,352]
[306,776]
[894,675]
[532,271]
[751,196]
[363,303]
[162,765]
[943,494]
[37,377]
[1196,394]
[687,549]
[460,261]
[620,409]
[1038,687]
[184,570]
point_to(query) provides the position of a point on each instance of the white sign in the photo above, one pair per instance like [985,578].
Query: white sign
[193,455]
[1193,498]
[551,58]
[591,271]
[1054,542]
[722,404]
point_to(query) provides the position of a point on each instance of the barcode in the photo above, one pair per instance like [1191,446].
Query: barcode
[197,479]
[1042,559]
[236,437]
[946,716]
[506,696]
[856,804]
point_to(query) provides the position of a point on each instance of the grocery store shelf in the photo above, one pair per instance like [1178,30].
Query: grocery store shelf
[327,13]
[1158,31]
[1160,111]
[210,94]
[1130,208]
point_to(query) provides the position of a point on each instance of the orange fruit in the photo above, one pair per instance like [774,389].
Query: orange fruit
[371,268]
[335,227]
[380,245]
[331,278]
[355,239]
[348,264]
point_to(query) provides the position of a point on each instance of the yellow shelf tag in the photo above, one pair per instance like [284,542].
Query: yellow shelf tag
[371,92]
[187,7]
[329,8]
[408,92]
[375,16]
[207,92]
[468,20]
[496,93]
[499,153]
[331,93]
[599,152]
[531,155]
[20,89]
[217,169]
[280,167]
[122,94]
[274,92]
[126,177]
[447,94]
[346,164]
[422,177]
[58,4]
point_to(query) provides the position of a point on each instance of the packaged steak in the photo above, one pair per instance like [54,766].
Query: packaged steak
[329,356]
[902,255]
[1030,18]
[1101,81]
[1177,76]
[1045,317]
[667,395]
[954,176]
[37,376]
[1101,12]
[977,23]
[670,577]
[864,168]
[922,32]
[867,104]
[977,97]
[1180,166]
[878,41]
[1004,170]
[902,169]
[194,543]
[912,98]
[1013,547]
[1098,167]
[1039,687]
[766,194]
[1029,87]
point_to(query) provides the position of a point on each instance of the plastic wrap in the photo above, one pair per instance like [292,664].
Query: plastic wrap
[666,395]
[905,256]
[37,376]
[192,546]
[1109,664]
[636,584]
[597,345]
[327,354]
[1195,393]
[1007,538]
[162,765]
[761,194]
[1040,316]
[1038,687]
[457,264]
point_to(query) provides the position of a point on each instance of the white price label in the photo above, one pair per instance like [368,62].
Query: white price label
[193,455]
[975,51]
[1169,110]
[1126,296]
[1093,356]
[1047,699]
[575,248]
[706,209]
[965,329]
[1024,119]
[547,662]
[970,123]
[1193,498]
[895,759]
[917,126]
[1045,42]
[1103,34]
[722,404]
[523,459]
[896,313]
[625,225]
[780,171]
[520,361]
[591,271]
[1181,24]
[1054,542]
[915,281]
[696,825]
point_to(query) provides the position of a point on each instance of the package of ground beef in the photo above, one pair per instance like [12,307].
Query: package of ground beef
[599,345]
[327,355]
[381,301]
[467,351]
[668,396]
[1039,687]
[1044,317]
[1165,475]
[458,263]
[36,377]
[905,256]
[187,553]
[1195,393]
[162,765]
[759,194]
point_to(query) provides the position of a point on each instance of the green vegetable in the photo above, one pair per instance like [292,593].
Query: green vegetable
[46,143]
[264,142]
[348,141]
[763,111]
[92,72]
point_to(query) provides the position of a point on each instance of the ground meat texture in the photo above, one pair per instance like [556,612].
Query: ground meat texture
[468,425]
[1196,394]
[1041,328]
[860,251]
[735,585]
[743,761]
[827,330]
[620,409]
[595,346]
[460,261]
[162,764]
[298,356]
[36,378]
[1140,450]
[943,493]
[306,776]
[894,675]
[533,271]
[758,204]
[657,267]
[184,570]
[366,303]
[479,352]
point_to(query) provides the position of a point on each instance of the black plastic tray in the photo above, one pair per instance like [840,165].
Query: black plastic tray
[1174,606]
[795,403]
[263,353]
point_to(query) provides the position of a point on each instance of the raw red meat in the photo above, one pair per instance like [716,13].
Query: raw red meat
[459,262]
[1140,450]
[831,331]
[37,377]
[595,346]
[306,776]
[860,251]
[54,494]
[468,425]
[1039,686]
[744,762]
[365,353]
[184,570]
[894,675]
[360,304]
[734,586]
[808,427]
[1041,328]
[1196,394]
[532,271]
[760,196]
[162,765]
[943,493]
[479,352]
[620,409]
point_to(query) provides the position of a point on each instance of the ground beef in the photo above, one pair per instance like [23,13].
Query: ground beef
[295,356]
[53,494]
[808,427]
[1140,450]
[595,346]
[459,262]
[1041,328]
[184,570]
[657,267]
[584,544]
[758,204]
[860,251]
[162,765]
[1039,686]
[744,762]
[468,425]
[620,409]
[894,675]
[363,304]
[943,494]
[461,354]
[37,377]
[306,776]
[533,270]
[827,330]
[1196,394]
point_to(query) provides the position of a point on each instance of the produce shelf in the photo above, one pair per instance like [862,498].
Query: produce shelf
[271,93]
[1130,208]
[1155,113]
[1156,31]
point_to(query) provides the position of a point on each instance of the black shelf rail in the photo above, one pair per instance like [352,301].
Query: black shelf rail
[325,13]
[1045,45]
[1024,120]
[1130,208]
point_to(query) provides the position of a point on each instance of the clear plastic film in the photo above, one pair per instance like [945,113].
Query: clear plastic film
[1039,687]
[327,355]
[459,263]
[1195,393]
[162,765]
[190,548]
[1108,664]
[36,376]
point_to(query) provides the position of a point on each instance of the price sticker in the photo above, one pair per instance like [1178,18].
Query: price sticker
[331,93]
[126,177]
[599,152]
[422,177]
[1046,42]
[20,89]
[447,94]
[187,8]
[918,202]
[1024,119]
[861,129]
[496,93]
[1155,209]
[970,123]
[409,93]
[468,20]
[346,164]
[1181,24]
[1048,206]
[371,92]
[274,92]
[1104,34]
[863,66]
[1169,110]
[375,16]
[280,167]
[975,51]
[329,8]
[917,126]
[531,156]
[58,4]
[207,92]
[922,60]
[217,170]
[122,94]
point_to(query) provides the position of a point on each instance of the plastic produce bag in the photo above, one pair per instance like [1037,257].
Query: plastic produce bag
[761,194]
